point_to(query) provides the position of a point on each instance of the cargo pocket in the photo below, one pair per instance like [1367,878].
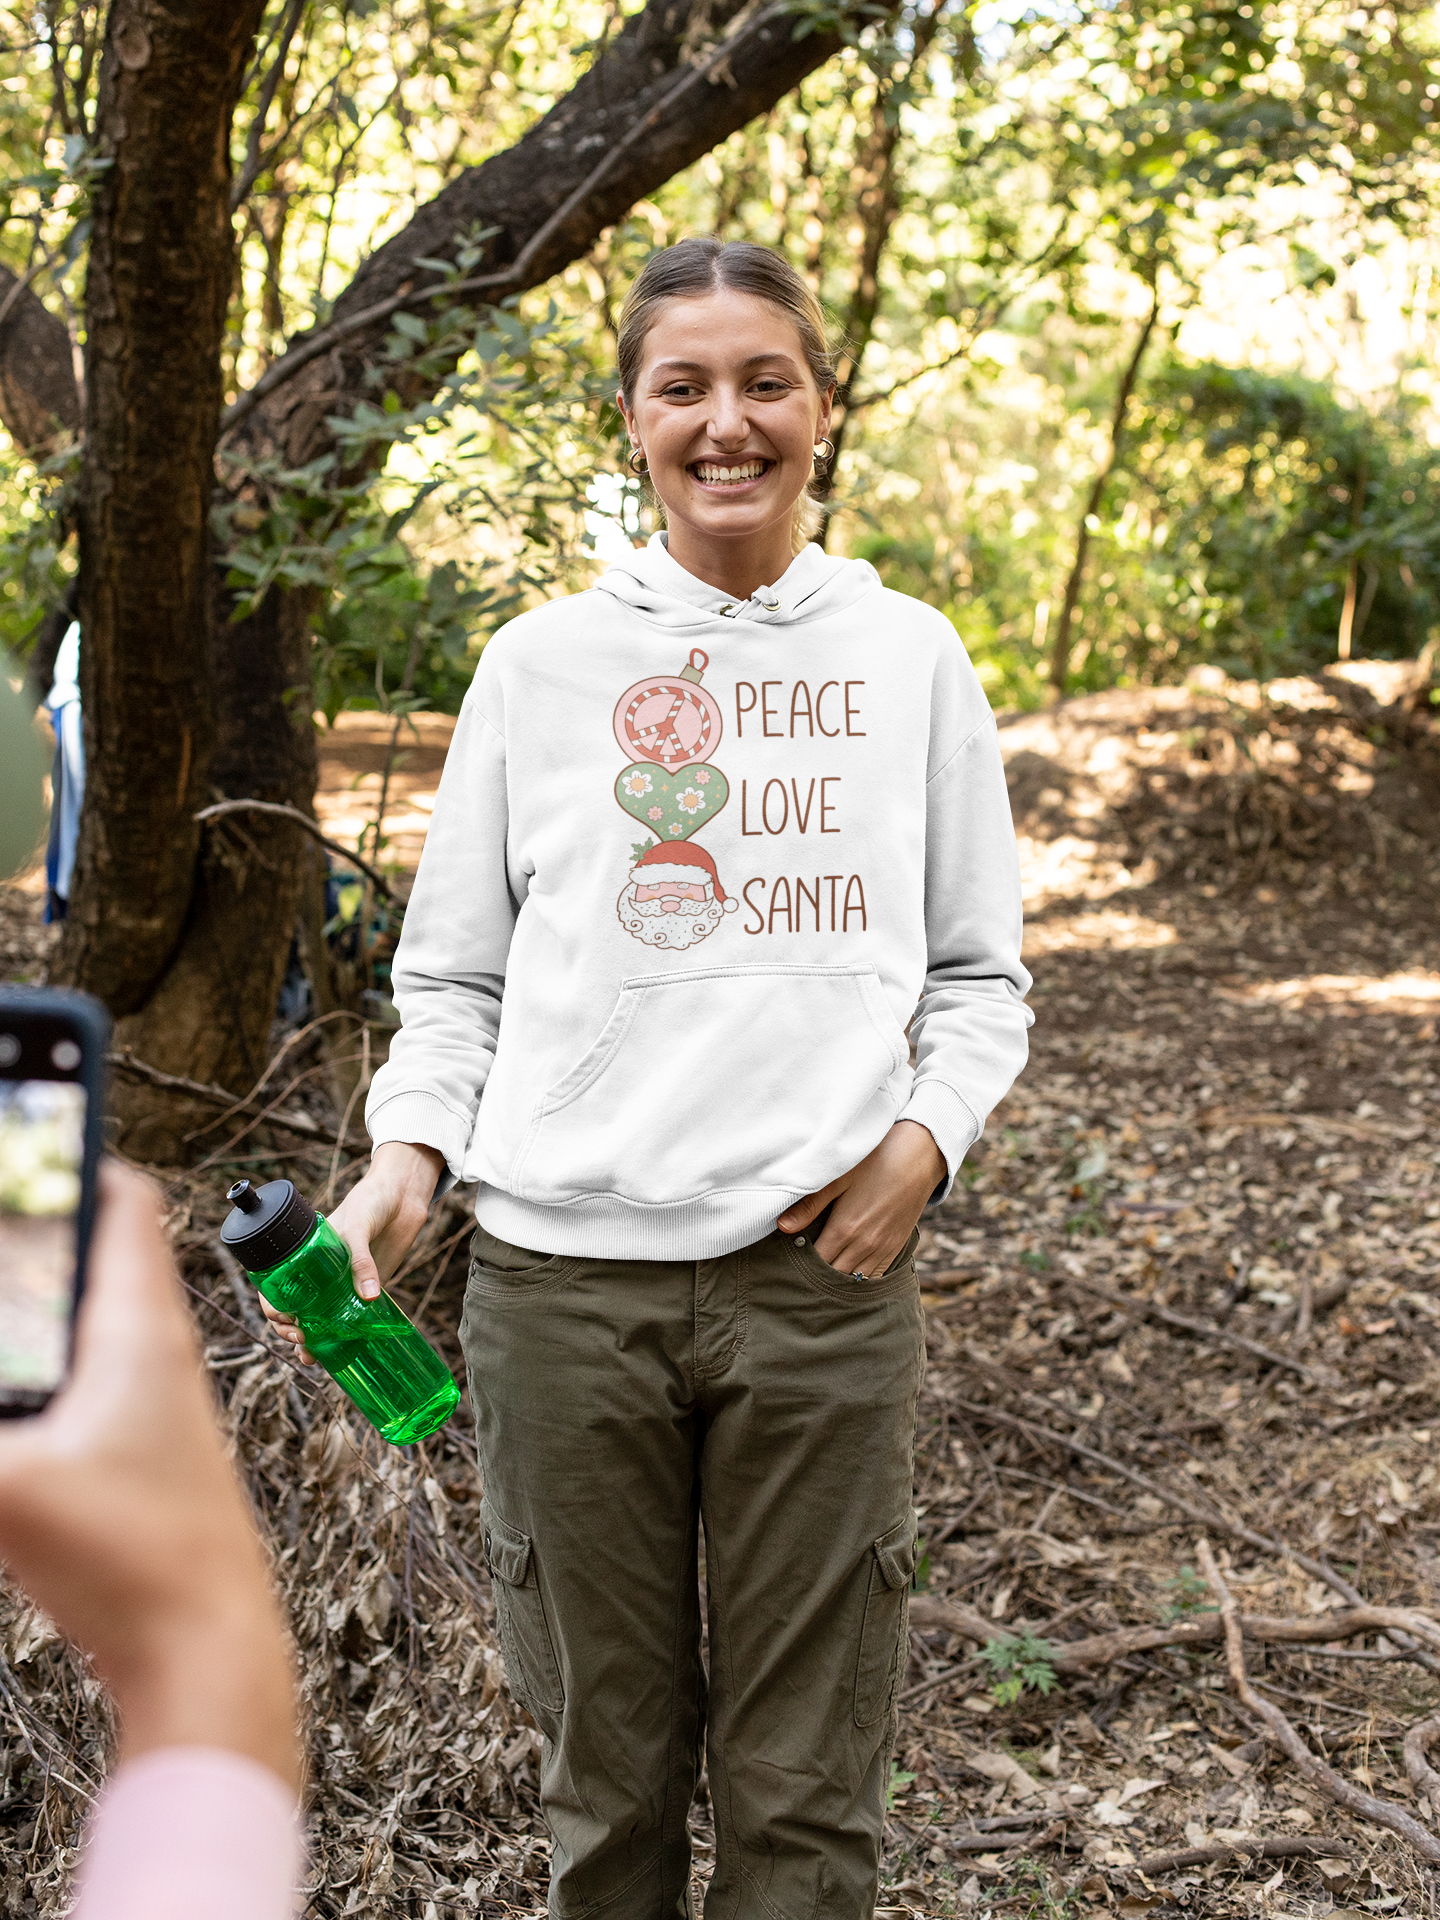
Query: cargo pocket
[530,1662]
[877,1673]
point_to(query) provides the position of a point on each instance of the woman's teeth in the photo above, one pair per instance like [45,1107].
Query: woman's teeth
[729,476]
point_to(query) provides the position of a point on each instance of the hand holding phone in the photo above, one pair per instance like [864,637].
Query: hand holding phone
[52,1061]
[122,1517]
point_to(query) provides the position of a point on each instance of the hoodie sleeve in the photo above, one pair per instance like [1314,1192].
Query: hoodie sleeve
[971,1026]
[449,970]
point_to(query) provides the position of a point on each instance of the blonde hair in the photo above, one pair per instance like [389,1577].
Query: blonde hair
[700,266]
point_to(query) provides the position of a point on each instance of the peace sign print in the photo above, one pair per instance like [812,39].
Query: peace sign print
[669,722]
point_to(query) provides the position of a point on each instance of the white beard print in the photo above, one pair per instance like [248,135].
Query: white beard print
[686,926]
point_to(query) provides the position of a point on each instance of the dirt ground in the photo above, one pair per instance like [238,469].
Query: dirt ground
[1229,1117]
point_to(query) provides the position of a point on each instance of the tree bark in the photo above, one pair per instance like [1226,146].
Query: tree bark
[1060,654]
[161,262]
[39,401]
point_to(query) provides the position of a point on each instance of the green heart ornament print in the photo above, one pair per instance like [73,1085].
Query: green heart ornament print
[671,805]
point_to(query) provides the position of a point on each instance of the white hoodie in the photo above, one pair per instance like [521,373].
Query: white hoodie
[692,866]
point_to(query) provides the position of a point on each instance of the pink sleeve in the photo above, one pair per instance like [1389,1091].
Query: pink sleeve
[186,1831]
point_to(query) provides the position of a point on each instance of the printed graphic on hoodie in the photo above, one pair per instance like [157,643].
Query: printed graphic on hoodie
[673,897]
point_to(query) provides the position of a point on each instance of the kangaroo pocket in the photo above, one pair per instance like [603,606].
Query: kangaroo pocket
[718,1078]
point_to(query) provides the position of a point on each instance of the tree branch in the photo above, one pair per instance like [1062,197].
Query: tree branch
[543,202]
[254,159]
[512,278]
[278,809]
[1382,1813]
[1060,656]
[1295,1849]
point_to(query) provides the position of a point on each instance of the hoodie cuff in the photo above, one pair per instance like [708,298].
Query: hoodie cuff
[422,1120]
[951,1125]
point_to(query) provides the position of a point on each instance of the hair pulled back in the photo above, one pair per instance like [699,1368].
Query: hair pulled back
[699,266]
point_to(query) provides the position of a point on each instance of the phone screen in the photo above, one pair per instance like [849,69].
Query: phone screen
[42,1162]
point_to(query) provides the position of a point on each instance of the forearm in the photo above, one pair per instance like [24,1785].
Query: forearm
[221,1678]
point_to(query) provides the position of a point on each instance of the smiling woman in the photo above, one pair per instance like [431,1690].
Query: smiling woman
[726,384]
[693,1289]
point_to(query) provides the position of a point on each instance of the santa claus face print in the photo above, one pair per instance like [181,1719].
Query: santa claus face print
[671,917]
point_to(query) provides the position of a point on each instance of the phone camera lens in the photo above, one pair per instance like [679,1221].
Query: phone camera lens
[9,1049]
[65,1054]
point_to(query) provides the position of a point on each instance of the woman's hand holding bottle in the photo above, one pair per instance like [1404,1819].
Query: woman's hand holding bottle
[378,1220]
[873,1207]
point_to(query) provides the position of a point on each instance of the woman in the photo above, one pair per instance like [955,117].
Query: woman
[676,1062]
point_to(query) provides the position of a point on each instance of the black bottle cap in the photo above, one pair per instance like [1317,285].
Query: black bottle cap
[266,1224]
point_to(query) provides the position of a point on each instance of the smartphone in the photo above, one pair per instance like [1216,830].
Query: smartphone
[52,1077]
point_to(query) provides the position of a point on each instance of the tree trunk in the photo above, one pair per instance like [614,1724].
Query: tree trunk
[161,263]
[877,201]
[1060,654]
[186,938]
[1349,627]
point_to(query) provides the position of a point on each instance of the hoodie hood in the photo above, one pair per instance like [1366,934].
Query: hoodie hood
[813,586]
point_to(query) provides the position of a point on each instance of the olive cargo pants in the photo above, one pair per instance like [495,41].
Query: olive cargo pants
[622,1404]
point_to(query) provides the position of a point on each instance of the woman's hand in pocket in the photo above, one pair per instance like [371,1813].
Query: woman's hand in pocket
[874,1207]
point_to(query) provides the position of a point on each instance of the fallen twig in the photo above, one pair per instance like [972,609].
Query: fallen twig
[1296,1849]
[1099,1649]
[302,820]
[1235,1528]
[1382,1813]
[1423,1776]
[1203,1329]
[307,1128]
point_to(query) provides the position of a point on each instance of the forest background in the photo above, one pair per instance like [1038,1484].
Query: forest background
[1136,373]
[1011,214]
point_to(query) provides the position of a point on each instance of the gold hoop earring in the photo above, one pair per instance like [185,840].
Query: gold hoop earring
[637,462]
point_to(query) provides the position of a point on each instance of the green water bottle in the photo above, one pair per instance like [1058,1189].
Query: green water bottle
[302,1266]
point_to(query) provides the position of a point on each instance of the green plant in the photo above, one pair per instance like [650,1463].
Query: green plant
[1191,1591]
[898,1783]
[1021,1663]
[920,1579]
[1030,1896]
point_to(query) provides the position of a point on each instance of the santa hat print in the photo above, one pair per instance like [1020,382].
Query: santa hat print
[684,863]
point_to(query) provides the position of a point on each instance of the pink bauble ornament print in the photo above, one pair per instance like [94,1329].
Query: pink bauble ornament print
[670,722]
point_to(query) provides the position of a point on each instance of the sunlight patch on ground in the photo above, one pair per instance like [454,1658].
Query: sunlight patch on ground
[1103,929]
[1398,990]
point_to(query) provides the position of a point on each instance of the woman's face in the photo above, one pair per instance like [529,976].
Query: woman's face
[727,414]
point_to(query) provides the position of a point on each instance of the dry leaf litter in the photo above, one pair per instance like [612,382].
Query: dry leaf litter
[1185,1291]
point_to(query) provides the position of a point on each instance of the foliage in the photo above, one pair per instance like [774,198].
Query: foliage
[36,560]
[1021,1664]
[1045,173]
[897,1784]
[389,631]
